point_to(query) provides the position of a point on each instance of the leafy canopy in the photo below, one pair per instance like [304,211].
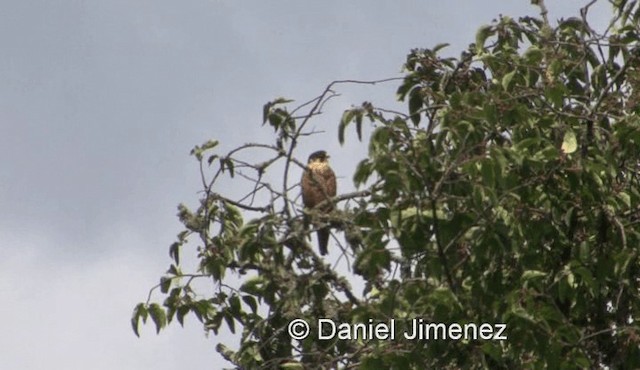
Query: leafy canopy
[508,193]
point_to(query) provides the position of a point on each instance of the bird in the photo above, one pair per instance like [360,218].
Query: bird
[318,184]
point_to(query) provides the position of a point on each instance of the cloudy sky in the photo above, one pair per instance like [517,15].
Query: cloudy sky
[100,104]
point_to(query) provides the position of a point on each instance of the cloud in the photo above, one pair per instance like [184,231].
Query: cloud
[75,314]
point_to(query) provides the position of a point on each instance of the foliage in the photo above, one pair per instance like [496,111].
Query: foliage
[508,194]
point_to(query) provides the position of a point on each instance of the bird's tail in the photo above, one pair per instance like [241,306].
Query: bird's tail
[306,221]
[323,240]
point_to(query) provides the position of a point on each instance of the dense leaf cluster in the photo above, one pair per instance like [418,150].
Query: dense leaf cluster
[508,193]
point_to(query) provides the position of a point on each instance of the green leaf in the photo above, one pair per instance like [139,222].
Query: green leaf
[209,145]
[555,95]
[488,173]
[587,278]
[533,55]
[228,318]
[359,125]
[253,285]
[165,284]
[267,108]
[571,24]
[291,366]
[569,143]
[490,112]
[371,363]
[445,297]
[582,362]
[507,79]
[348,116]
[139,312]
[533,274]
[181,312]
[158,316]
[439,47]
[625,198]
[234,305]
[415,105]
[212,158]
[251,302]
[481,36]
[225,351]
[226,164]
[174,251]
[197,152]
[363,172]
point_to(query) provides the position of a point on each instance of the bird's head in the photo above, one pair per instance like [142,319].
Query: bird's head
[318,157]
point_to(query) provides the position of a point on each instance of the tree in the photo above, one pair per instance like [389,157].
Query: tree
[507,194]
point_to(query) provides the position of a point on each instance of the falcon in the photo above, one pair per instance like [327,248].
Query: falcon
[318,184]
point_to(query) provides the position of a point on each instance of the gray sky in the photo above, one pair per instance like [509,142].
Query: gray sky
[100,104]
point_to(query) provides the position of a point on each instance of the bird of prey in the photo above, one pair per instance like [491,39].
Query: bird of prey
[318,184]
